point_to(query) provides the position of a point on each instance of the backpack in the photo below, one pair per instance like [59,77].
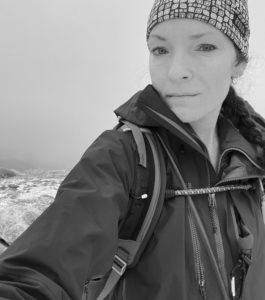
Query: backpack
[146,206]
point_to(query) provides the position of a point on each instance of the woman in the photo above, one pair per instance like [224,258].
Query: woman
[197,48]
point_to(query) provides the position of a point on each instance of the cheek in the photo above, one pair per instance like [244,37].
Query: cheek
[222,70]
[155,74]
[218,78]
[158,72]
[217,90]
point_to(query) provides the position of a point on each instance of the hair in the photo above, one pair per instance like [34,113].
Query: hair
[241,58]
[234,108]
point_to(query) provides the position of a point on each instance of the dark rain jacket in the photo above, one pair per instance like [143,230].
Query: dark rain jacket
[75,239]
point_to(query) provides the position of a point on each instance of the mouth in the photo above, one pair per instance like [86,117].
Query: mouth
[181,95]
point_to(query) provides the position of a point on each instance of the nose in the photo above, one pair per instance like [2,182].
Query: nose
[180,67]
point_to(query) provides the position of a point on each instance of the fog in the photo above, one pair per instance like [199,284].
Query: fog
[65,65]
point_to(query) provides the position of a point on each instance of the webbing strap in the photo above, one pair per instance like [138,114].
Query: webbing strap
[129,251]
[118,268]
[139,140]
[113,279]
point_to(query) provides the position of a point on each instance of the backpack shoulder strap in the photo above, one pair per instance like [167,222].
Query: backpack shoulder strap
[138,138]
[129,250]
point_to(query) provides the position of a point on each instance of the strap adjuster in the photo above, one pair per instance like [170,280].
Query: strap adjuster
[119,265]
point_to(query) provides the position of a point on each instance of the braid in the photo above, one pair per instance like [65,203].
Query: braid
[235,110]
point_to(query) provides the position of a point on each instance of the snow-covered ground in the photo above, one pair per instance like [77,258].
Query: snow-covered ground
[23,198]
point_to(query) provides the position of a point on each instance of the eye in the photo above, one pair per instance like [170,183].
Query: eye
[207,47]
[159,51]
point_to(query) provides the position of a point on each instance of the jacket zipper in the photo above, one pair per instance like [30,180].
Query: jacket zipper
[218,237]
[199,268]
[212,201]
[216,228]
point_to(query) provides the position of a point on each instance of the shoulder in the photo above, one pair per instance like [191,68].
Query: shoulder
[111,157]
[111,142]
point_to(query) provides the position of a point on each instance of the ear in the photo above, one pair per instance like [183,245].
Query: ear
[238,69]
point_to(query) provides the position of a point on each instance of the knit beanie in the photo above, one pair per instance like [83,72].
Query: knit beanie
[229,16]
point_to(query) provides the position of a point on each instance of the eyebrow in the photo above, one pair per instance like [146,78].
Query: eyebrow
[192,37]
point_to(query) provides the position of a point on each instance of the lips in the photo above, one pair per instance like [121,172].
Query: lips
[181,95]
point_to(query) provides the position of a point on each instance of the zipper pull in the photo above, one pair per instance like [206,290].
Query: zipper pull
[212,201]
[237,276]
[212,207]
[202,288]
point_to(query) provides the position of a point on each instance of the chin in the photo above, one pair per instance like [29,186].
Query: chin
[186,117]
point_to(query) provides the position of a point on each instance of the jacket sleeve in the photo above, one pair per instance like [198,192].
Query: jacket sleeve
[75,239]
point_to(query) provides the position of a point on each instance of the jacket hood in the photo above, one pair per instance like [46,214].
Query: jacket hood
[132,109]
[147,109]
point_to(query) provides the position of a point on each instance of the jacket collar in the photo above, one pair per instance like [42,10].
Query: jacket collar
[242,155]
[147,109]
[231,138]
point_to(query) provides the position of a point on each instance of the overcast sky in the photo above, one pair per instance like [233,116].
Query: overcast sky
[65,65]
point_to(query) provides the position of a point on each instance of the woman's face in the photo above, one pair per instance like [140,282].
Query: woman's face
[191,64]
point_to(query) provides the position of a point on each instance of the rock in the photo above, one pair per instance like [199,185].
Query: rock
[6,173]
[15,220]
[30,216]
[23,199]
[13,186]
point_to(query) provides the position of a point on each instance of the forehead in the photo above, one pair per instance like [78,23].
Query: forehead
[193,29]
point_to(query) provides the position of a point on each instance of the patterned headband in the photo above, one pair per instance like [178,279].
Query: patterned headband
[229,16]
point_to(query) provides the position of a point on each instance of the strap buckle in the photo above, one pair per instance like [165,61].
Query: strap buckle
[119,265]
